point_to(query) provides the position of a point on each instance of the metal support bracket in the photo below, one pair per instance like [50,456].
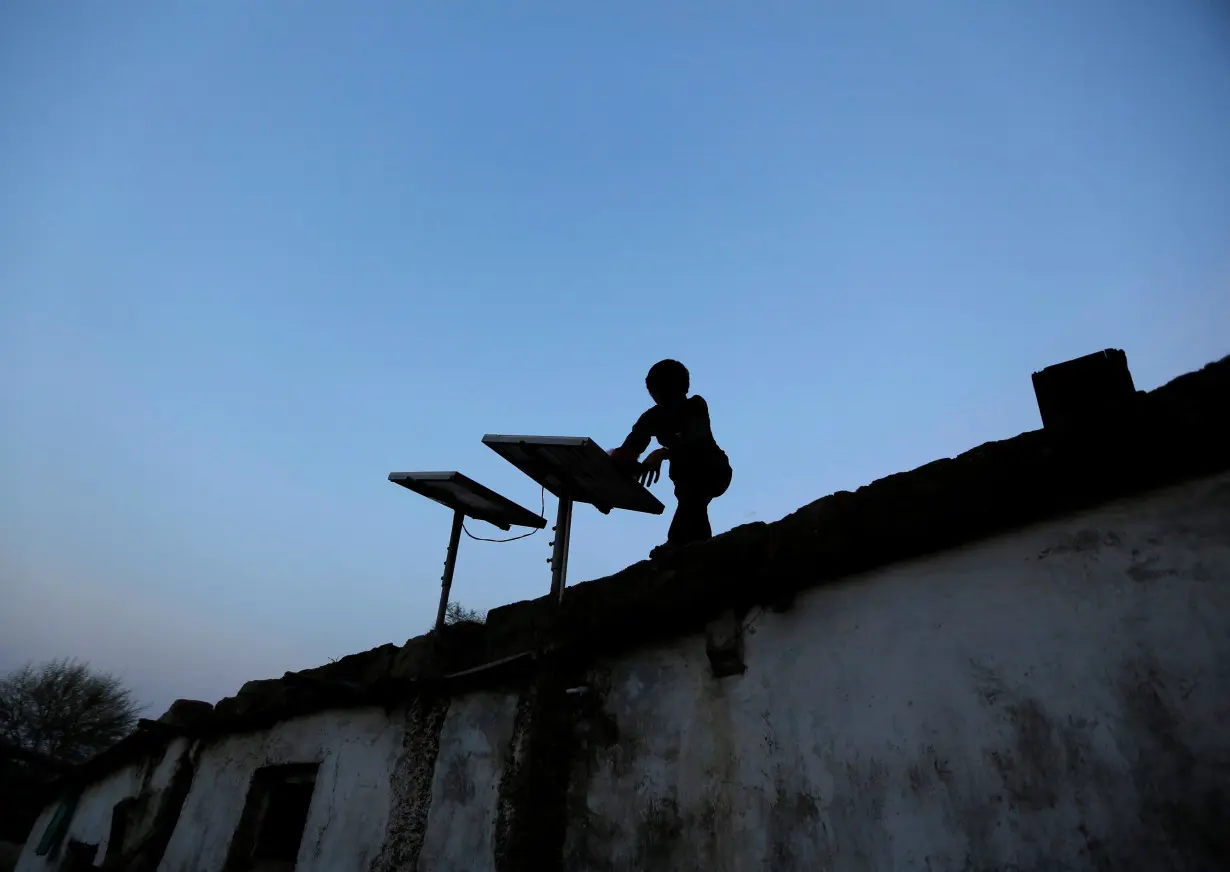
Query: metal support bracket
[559,548]
[450,563]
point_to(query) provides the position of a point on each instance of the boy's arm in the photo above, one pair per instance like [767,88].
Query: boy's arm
[638,440]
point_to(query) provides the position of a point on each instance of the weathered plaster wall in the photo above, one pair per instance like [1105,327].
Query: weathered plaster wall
[1052,698]
[91,821]
[356,750]
[28,861]
[473,751]
[1056,698]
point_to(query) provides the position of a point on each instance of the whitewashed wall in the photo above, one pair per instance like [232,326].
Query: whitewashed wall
[474,745]
[356,751]
[1056,698]
[91,822]
[1061,694]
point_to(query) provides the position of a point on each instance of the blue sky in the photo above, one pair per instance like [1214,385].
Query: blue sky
[254,256]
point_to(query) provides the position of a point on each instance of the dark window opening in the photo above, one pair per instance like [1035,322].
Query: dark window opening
[285,818]
[78,856]
[274,816]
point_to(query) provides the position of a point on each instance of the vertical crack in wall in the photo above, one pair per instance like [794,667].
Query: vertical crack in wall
[531,820]
[147,855]
[411,785]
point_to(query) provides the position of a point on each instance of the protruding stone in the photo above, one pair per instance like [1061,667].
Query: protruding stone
[412,660]
[255,697]
[188,713]
[1085,389]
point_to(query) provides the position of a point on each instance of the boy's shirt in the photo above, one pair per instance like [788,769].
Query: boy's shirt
[683,430]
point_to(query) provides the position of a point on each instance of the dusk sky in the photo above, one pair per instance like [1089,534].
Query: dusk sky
[255,256]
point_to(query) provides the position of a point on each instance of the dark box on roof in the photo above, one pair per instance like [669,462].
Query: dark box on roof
[1087,388]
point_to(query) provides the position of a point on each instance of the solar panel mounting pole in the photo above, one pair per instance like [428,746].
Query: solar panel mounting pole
[468,499]
[450,563]
[574,469]
[559,548]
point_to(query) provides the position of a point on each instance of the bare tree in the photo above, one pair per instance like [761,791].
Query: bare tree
[63,710]
[456,613]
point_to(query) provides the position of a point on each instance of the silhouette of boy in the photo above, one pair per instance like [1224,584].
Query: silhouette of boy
[698,467]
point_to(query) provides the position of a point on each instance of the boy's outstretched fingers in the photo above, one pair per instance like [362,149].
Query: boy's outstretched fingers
[651,469]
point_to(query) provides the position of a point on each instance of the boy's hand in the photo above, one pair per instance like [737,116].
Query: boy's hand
[651,467]
[626,462]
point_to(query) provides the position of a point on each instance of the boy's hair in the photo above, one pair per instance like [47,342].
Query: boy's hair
[668,378]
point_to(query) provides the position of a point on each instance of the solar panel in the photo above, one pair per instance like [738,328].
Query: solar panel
[462,494]
[576,467]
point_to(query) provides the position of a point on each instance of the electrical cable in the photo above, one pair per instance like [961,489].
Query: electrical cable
[542,513]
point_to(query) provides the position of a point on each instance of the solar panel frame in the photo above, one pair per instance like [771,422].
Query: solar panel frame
[462,494]
[576,467]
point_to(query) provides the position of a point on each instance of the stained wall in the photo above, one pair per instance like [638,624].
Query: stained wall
[1057,697]
[91,821]
[356,751]
[1053,698]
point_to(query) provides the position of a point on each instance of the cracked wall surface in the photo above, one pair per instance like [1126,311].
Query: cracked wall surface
[1051,698]
[1055,698]
[149,780]
[356,749]
[464,803]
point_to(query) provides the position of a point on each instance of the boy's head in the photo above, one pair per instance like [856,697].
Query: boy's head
[668,382]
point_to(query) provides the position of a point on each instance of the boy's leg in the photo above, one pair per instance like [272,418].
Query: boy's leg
[695,488]
[691,521]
